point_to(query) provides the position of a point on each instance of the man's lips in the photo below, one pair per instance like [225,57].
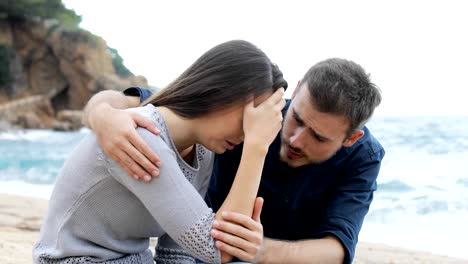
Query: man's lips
[293,154]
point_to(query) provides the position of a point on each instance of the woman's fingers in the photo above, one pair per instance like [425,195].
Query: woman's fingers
[277,96]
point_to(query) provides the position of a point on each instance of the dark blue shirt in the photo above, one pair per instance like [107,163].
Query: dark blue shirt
[137,91]
[312,201]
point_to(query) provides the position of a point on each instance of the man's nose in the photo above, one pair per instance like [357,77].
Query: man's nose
[297,139]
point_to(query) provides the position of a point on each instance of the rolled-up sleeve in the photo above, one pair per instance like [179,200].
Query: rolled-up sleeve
[352,198]
[143,93]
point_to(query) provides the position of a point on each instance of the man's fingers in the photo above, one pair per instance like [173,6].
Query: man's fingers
[142,162]
[139,143]
[254,235]
[142,121]
[241,219]
[234,241]
[130,166]
[127,170]
[233,251]
[143,154]
[234,229]
[257,209]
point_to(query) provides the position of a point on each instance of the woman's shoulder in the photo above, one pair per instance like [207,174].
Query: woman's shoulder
[152,113]
[148,111]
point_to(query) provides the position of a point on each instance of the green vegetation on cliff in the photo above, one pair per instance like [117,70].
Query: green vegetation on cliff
[53,10]
[39,9]
[117,62]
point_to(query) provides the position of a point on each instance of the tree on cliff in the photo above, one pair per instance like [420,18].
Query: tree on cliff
[117,62]
[39,9]
[21,10]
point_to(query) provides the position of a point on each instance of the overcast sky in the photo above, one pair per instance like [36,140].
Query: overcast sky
[415,51]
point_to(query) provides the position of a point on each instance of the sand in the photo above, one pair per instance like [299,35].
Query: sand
[21,217]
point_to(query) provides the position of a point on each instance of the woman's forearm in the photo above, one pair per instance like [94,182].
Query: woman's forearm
[261,125]
[241,196]
[243,192]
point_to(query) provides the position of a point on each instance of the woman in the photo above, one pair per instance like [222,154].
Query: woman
[97,213]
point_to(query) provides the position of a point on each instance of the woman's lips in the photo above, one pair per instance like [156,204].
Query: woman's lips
[229,145]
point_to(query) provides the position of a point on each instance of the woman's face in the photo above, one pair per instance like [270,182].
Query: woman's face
[223,129]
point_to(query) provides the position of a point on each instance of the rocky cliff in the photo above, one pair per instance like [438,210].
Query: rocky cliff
[51,73]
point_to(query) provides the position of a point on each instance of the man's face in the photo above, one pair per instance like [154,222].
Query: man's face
[309,136]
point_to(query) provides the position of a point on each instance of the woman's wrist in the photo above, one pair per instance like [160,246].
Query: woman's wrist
[256,146]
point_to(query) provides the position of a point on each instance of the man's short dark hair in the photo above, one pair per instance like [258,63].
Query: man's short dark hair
[342,87]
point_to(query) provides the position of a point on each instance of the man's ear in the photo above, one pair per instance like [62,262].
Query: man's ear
[296,89]
[353,138]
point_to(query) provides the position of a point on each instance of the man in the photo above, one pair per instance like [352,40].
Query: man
[318,178]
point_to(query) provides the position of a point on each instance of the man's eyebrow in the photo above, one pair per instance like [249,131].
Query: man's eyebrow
[323,138]
[312,131]
[297,117]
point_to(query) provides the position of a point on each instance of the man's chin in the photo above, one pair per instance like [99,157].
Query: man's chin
[293,163]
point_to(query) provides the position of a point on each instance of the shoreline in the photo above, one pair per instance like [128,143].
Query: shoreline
[21,218]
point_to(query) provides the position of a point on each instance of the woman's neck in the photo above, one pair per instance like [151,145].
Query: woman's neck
[181,129]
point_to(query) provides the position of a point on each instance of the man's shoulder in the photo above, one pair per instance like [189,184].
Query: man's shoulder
[365,149]
[142,92]
[369,143]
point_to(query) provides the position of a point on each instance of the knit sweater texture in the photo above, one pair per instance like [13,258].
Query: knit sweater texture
[98,213]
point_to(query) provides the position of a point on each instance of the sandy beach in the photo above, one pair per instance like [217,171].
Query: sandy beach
[21,217]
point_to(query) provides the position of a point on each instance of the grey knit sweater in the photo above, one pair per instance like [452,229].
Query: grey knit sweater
[98,213]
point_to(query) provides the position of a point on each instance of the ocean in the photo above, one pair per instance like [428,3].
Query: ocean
[422,197]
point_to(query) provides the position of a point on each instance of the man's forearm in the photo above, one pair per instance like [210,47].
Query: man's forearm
[107,98]
[324,250]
